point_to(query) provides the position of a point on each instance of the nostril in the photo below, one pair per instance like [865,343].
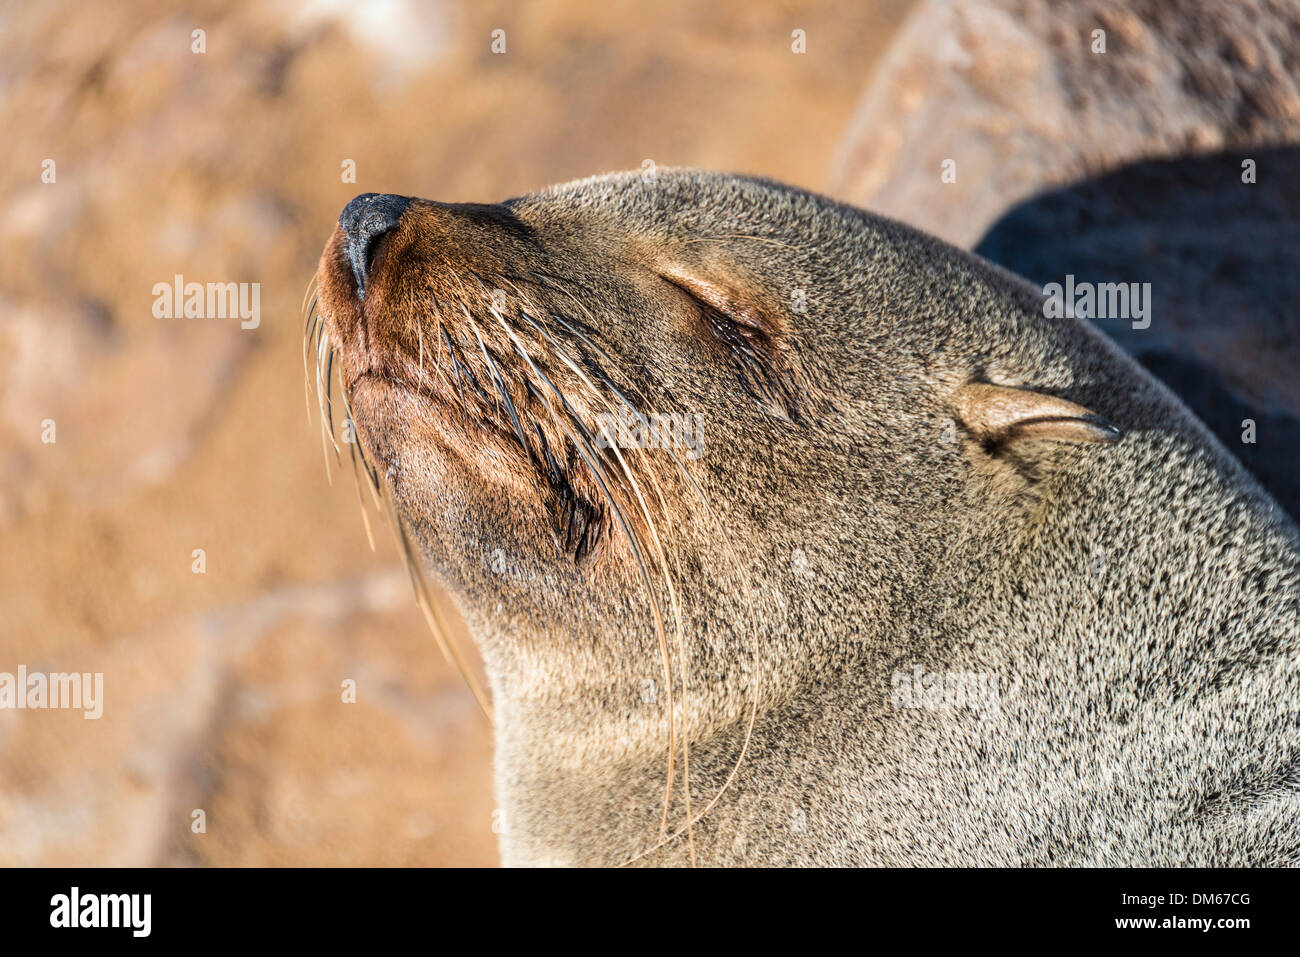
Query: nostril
[364,222]
[369,245]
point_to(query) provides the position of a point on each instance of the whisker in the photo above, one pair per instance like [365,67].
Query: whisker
[492,371]
[455,367]
[356,481]
[358,453]
[629,487]
[311,286]
[308,312]
[329,404]
[659,550]
[505,393]
[753,711]
[432,614]
[306,384]
[585,449]
[325,437]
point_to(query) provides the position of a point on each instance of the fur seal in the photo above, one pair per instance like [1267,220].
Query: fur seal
[952,583]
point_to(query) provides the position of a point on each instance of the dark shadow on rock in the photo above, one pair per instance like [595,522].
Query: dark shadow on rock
[1223,260]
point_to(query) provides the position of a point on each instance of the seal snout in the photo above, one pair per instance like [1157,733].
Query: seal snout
[364,222]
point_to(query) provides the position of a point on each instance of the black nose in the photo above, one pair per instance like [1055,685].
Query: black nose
[363,221]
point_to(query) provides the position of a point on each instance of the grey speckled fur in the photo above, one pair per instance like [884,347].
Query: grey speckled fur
[1137,606]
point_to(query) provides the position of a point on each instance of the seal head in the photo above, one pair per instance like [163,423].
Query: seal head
[895,459]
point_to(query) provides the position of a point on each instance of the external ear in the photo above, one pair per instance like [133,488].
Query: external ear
[1000,415]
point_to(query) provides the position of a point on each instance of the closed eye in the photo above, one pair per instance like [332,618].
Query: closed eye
[764,365]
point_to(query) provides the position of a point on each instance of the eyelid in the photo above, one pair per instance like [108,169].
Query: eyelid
[722,302]
[758,350]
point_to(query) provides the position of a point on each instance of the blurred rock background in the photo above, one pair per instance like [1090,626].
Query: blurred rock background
[222,690]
